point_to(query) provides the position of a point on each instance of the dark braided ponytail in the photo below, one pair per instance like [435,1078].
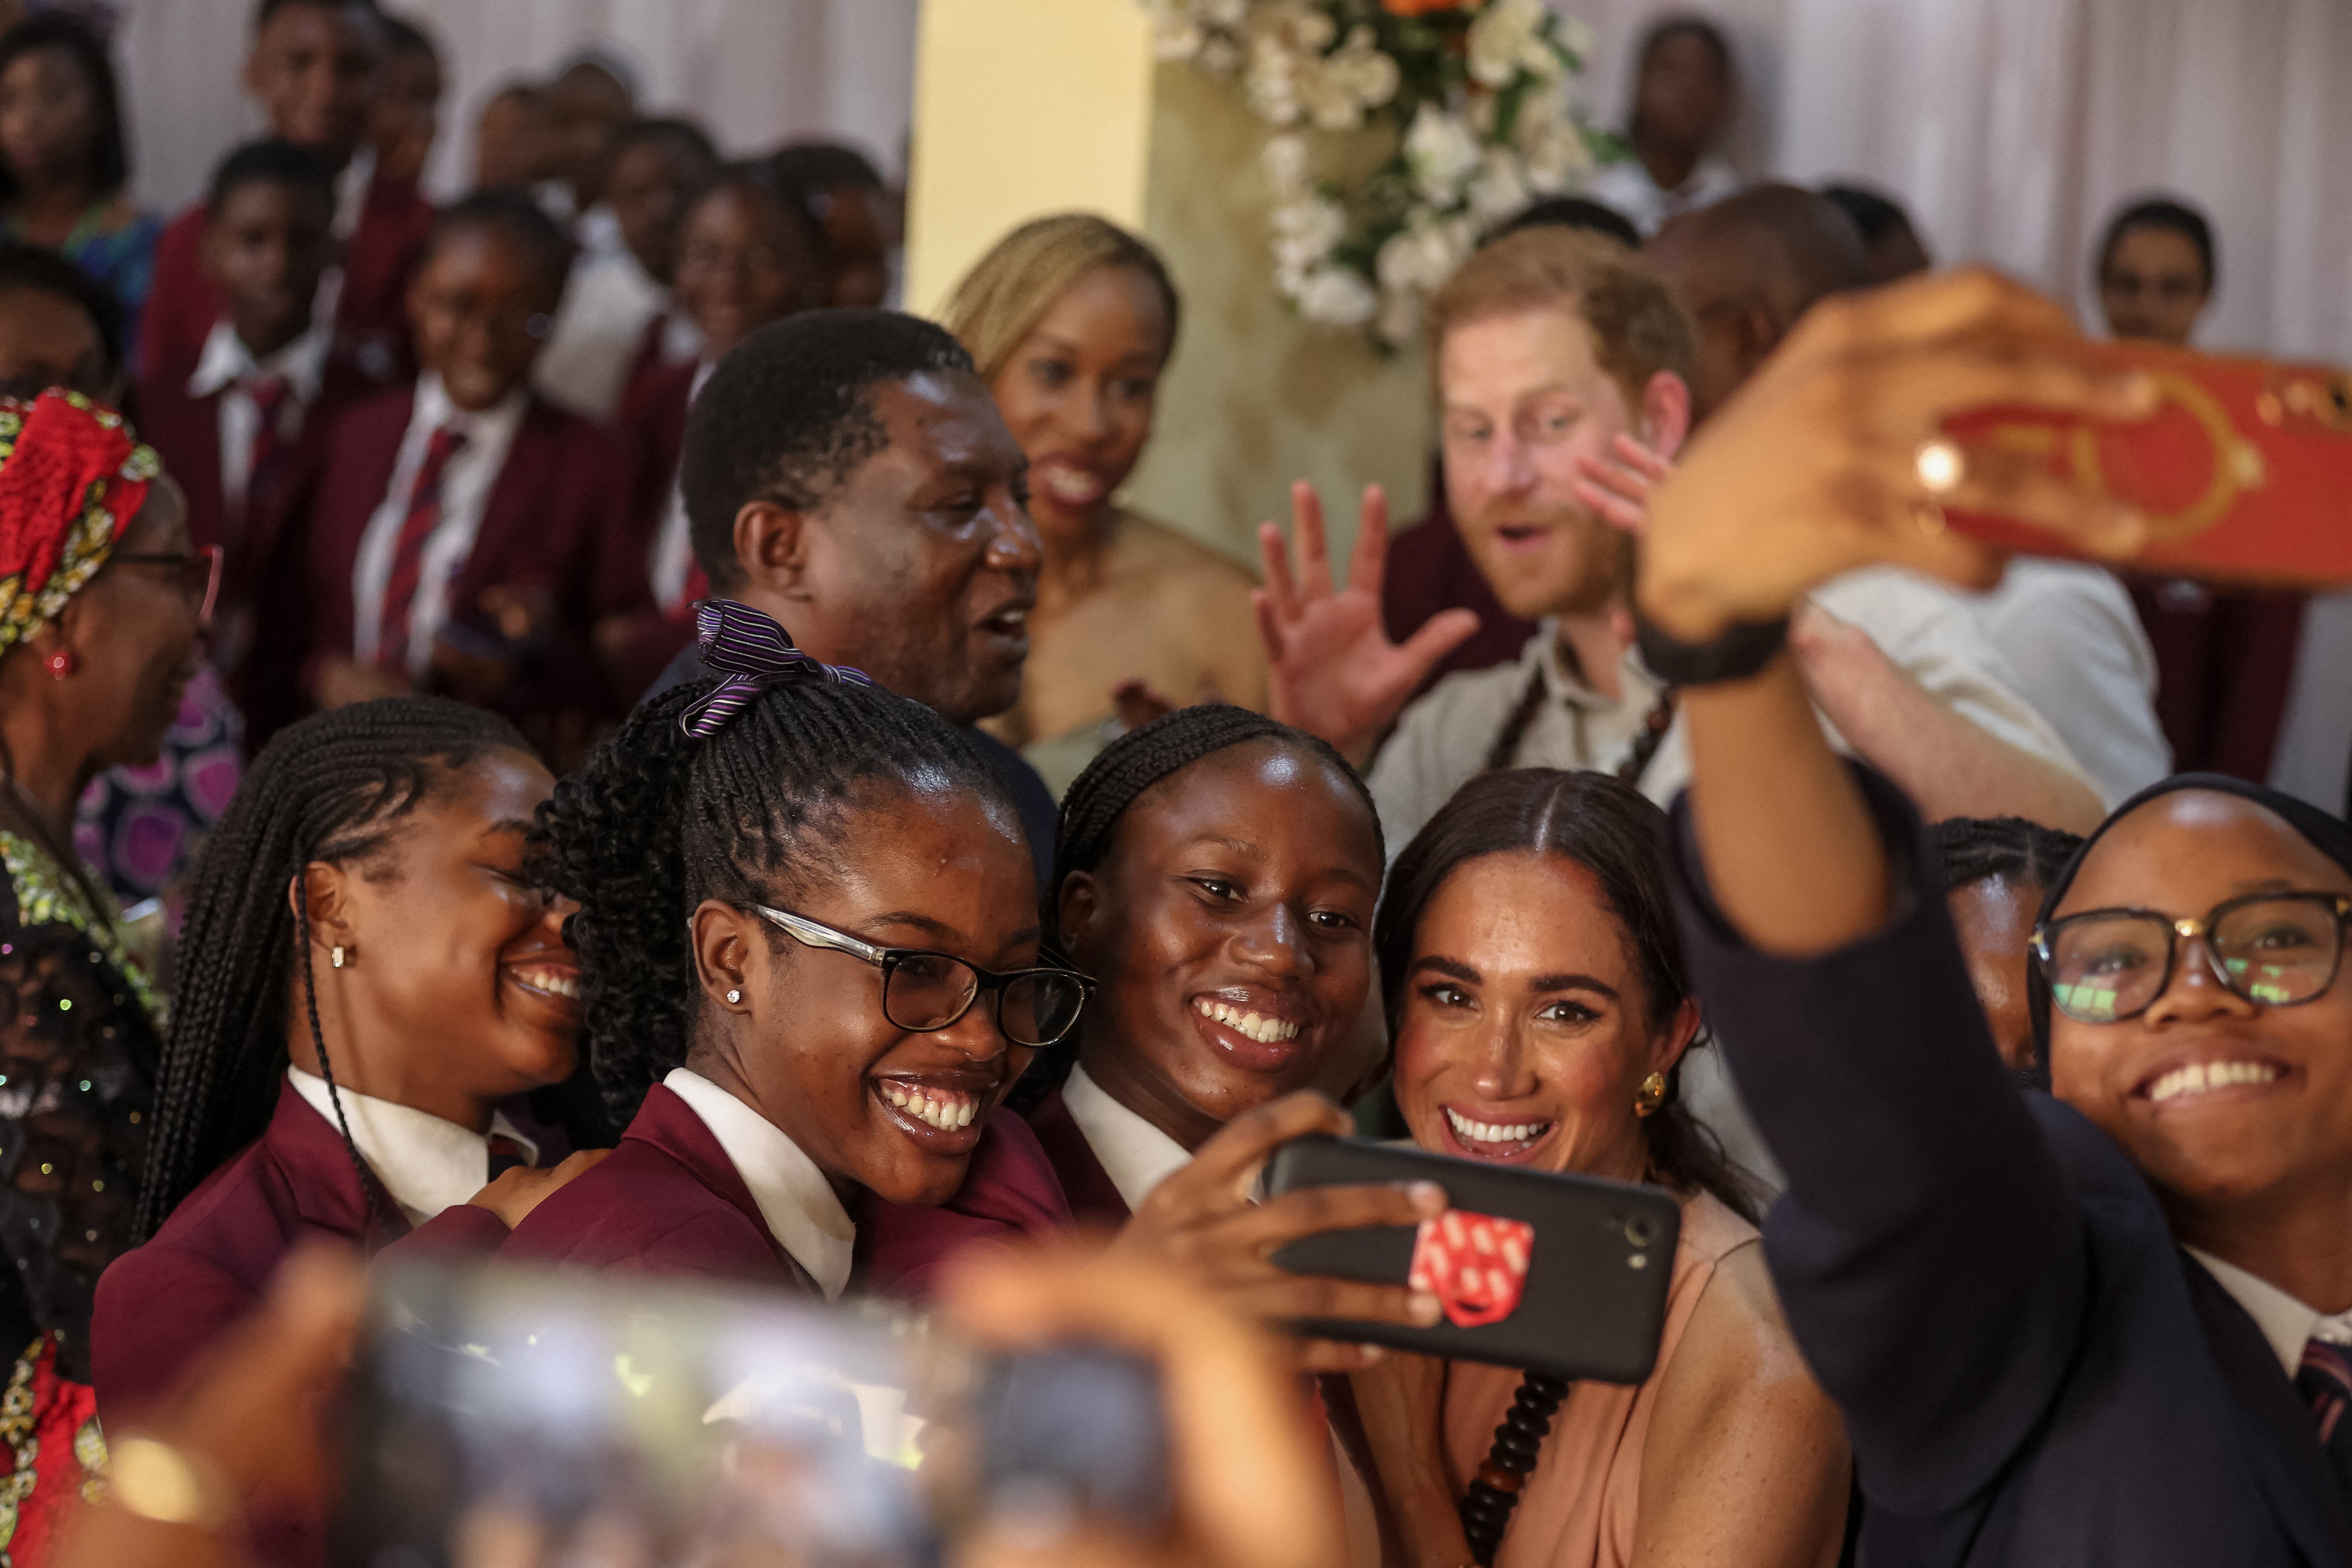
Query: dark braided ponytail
[2007,849]
[1099,797]
[332,788]
[658,821]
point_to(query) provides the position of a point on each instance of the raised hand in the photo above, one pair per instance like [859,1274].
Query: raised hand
[1332,669]
[1617,487]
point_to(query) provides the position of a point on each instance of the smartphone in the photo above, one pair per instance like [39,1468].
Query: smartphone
[523,1417]
[1561,1274]
[2244,471]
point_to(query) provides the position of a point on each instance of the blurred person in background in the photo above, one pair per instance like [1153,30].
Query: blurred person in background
[863,220]
[1071,321]
[94,654]
[58,327]
[620,318]
[514,139]
[316,67]
[2157,271]
[1996,873]
[1684,88]
[747,255]
[1893,246]
[64,167]
[591,96]
[408,111]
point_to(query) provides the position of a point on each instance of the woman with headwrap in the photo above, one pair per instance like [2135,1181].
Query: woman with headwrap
[101,599]
[2102,1324]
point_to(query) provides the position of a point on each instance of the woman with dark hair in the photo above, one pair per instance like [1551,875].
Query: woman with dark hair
[1535,989]
[2157,270]
[63,163]
[371,972]
[98,635]
[811,967]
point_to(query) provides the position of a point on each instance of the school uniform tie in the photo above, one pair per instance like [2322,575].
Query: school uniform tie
[2325,1381]
[417,531]
[267,455]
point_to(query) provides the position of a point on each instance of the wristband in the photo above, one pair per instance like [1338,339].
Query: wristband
[1741,650]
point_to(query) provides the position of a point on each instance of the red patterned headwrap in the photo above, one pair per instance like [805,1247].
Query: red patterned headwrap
[72,476]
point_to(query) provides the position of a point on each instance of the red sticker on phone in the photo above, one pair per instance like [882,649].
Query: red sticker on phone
[1474,1264]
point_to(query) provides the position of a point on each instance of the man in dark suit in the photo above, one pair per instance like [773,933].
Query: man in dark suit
[235,427]
[315,68]
[2112,1324]
[452,527]
[846,472]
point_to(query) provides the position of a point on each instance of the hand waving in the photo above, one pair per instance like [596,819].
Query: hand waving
[1332,670]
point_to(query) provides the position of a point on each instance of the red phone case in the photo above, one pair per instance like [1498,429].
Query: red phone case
[2245,469]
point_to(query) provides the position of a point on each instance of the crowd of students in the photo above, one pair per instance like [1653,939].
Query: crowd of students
[754,806]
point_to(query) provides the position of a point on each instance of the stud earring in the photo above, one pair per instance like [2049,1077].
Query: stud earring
[1651,1095]
[735,996]
[59,664]
[335,957]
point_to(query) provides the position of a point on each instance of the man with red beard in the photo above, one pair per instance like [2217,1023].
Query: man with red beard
[1549,345]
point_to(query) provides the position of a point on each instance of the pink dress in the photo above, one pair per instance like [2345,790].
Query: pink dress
[1584,1501]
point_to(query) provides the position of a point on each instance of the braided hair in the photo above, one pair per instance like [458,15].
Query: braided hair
[1609,828]
[658,821]
[331,789]
[2007,849]
[1099,797]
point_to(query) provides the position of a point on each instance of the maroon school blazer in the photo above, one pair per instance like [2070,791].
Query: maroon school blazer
[1094,1198]
[161,1305]
[665,1201]
[652,415]
[370,315]
[559,492]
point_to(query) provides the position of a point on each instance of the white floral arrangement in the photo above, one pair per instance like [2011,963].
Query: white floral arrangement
[1477,92]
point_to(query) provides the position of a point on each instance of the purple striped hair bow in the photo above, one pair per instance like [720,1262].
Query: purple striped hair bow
[752,653]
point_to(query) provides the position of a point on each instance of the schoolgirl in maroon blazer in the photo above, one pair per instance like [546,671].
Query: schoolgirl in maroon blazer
[810,964]
[452,527]
[341,1062]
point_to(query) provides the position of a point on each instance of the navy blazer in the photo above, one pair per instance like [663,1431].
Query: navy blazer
[2032,1370]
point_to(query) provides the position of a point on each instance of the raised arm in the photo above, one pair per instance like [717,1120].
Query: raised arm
[1926,1253]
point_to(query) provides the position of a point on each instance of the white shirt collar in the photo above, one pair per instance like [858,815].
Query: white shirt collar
[351,191]
[227,361]
[1135,1154]
[426,1164]
[2284,1322]
[802,1211]
[491,426]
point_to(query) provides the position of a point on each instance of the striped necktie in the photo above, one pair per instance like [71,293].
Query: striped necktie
[2325,1381]
[268,395]
[417,531]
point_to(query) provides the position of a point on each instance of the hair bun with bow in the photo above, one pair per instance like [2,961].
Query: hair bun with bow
[751,653]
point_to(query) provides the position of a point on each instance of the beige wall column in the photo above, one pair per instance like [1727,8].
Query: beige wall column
[1029,107]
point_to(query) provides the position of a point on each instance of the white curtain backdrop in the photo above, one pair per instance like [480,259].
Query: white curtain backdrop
[2013,128]
[754,73]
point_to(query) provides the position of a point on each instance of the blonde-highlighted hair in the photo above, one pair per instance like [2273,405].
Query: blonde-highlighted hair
[1008,292]
[1637,329]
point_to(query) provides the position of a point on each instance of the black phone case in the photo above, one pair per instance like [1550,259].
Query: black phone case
[1599,1268]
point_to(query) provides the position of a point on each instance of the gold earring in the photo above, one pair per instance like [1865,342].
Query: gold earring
[1651,1095]
[335,957]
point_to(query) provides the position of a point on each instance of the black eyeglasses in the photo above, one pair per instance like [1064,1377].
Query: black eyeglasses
[2277,950]
[923,992]
[199,572]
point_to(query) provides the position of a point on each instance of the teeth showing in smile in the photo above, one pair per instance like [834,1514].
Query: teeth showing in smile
[1265,1031]
[945,1109]
[2197,1078]
[555,981]
[1470,1131]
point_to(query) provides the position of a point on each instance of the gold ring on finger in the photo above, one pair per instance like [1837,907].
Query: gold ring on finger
[1940,465]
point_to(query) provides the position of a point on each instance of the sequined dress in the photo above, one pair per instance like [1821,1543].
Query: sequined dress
[79,1044]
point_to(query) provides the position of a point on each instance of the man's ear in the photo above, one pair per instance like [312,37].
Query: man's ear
[328,892]
[1760,333]
[1665,412]
[772,544]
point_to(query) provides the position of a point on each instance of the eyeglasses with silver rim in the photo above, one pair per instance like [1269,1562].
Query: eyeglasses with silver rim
[925,991]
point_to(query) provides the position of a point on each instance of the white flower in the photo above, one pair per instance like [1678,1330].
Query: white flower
[1337,298]
[1228,14]
[1285,163]
[1219,57]
[1304,233]
[1441,151]
[1424,254]
[1551,143]
[1509,37]
[1500,190]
